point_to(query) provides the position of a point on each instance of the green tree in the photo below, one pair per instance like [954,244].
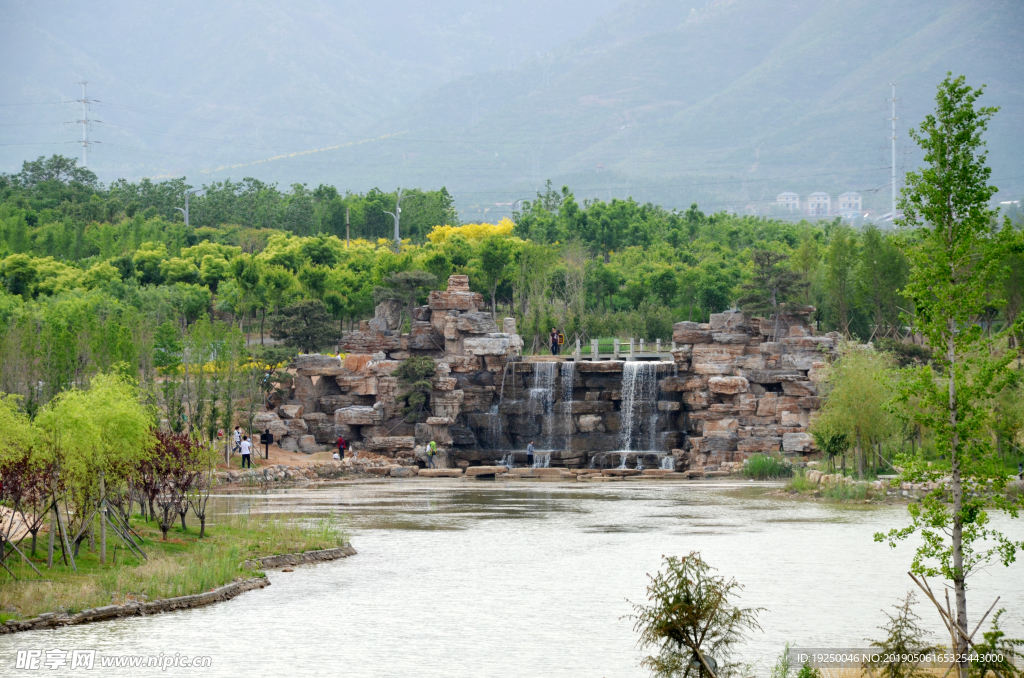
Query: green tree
[404,286]
[905,641]
[772,287]
[414,376]
[305,325]
[881,275]
[956,262]
[691,614]
[495,257]
[856,395]
[840,266]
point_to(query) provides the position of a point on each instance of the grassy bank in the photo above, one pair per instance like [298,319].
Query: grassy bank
[182,565]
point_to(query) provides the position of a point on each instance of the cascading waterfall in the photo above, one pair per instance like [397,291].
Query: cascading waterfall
[508,461]
[639,393]
[543,392]
[496,430]
[568,374]
[541,460]
[668,463]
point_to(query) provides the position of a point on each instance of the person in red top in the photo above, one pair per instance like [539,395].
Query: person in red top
[341,447]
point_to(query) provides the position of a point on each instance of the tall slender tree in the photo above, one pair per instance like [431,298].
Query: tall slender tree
[956,254]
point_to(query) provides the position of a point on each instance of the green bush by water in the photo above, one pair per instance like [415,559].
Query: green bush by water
[763,467]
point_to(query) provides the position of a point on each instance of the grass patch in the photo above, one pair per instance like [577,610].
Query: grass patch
[763,467]
[845,491]
[800,483]
[182,565]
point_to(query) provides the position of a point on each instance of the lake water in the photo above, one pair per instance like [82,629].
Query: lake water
[477,579]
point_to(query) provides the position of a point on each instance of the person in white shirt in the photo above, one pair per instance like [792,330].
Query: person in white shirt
[237,435]
[246,452]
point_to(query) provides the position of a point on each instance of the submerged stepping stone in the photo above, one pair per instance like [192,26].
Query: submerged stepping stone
[477,471]
[620,472]
[440,472]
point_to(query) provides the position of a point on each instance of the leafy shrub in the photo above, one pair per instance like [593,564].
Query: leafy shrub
[763,467]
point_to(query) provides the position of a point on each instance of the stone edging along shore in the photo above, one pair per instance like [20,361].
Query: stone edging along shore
[51,620]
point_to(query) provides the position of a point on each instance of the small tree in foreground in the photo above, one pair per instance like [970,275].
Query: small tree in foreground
[691,620]
[998,655]
[957,256]
[904,643]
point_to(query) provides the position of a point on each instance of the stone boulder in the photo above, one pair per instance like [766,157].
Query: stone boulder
[358,416]
[486,345]
[357,362]
[318,365]
[265,418]
[296,427]
[728,320]
[690,333]
[403,471]
[308,444]
[799,389]
[795,443]
[390,444]
[289,443]
[590,423]
[728,385]
[476,322]
[291,411]
[457,297]
[462,436]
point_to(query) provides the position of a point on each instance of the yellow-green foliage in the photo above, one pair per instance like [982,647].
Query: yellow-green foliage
[471,231]
[104,428]
[856,392]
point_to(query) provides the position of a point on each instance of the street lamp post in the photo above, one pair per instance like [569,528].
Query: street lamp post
[187,195]
[397,215]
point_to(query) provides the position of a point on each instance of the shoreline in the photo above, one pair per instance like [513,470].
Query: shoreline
[54,620]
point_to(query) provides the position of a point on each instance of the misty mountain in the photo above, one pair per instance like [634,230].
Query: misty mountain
[186,85]
[729,103]
[726,103]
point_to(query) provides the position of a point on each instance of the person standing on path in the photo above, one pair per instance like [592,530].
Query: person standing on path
[554,341]
[341,448]
[529,454]
[431,451]
[246,449]
[237,435]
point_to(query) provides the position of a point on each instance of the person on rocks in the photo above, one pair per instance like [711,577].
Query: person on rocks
[341,448]
[529,454]
[431,451]
[246,449]
[554,341]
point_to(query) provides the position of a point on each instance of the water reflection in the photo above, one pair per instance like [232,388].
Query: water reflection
[461,578]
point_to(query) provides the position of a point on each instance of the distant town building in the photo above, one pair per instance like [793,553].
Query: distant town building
[850,202]
[819,203]
[789,200]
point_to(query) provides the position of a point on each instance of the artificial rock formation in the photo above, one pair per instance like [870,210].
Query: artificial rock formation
[731,389]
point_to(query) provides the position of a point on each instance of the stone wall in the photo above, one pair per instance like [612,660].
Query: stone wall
[731,390]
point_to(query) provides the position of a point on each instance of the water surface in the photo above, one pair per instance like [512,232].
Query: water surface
[476,579]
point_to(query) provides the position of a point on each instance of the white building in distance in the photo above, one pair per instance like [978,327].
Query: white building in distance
[819,203]
[789,200]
